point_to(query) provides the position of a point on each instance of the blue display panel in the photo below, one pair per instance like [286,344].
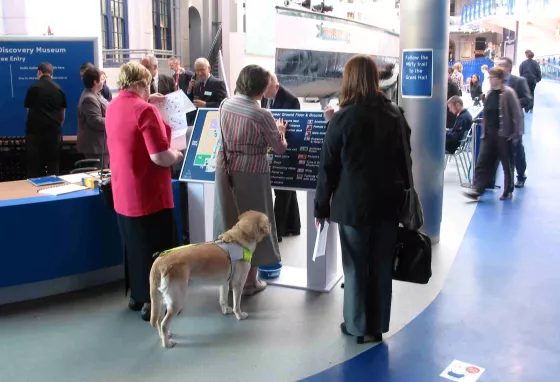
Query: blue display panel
[19,59]
[417,80]
[297,168]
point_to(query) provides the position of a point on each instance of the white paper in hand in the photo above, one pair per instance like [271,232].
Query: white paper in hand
[174,111]
[321,240]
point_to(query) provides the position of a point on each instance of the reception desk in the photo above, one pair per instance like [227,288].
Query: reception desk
[56,244]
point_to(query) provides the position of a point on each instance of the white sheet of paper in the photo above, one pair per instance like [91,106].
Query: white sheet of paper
[54,191]
[174,112]
[321,241]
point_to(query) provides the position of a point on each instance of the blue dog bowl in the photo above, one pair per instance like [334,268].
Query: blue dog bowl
[270,272]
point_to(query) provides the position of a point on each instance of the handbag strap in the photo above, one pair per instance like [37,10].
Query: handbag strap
[406,149]
[226,161]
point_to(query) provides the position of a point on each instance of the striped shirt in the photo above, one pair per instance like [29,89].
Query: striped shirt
[248,131]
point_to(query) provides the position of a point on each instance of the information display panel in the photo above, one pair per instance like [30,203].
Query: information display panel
[297,168]
[19,59]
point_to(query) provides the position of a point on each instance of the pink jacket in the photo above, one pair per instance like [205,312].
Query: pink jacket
[512,119]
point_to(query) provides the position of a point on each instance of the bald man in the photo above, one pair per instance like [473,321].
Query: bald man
[286,208]
[204,89]
[160,82]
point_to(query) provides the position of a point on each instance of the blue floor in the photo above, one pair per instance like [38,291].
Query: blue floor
[500,306]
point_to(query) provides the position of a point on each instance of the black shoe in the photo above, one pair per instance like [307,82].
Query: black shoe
[378,337]
[146,313]
[342,285]
[135,306]
[279,239]
[472,195]
[521,182]
[506,196]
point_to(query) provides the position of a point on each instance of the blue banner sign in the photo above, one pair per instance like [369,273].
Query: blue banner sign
[417,74]
[297,168]
[19,59]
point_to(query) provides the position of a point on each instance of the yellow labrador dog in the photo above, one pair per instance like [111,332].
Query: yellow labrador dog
[221,262]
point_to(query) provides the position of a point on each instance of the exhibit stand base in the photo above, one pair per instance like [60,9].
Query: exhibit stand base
[320,275]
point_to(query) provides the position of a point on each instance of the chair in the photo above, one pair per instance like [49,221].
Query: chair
[461,155]
[86,165]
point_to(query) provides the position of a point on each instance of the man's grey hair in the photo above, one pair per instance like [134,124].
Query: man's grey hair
[455,100]
[153,60]
[173,59]
[202,60]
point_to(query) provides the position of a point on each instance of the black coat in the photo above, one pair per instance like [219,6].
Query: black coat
[452,90]
[362,165]
[215,92]
[166,85]
[521,87]
[184,79]
[531,71]
[284,100]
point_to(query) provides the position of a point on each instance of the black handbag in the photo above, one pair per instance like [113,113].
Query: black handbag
[411,214]
[106,192]
[412,261]
[413,257]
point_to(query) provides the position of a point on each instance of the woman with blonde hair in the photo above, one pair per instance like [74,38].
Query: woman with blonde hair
[360,187]
[141,158]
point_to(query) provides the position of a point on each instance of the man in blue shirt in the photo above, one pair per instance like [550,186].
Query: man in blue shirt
[521,87]
[463,123]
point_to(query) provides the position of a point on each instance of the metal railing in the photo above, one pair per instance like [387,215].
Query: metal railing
[117,57]
[214,51]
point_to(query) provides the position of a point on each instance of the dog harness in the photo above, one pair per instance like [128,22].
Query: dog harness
[234,251]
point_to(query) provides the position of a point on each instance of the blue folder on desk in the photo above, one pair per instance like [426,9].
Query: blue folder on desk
[45,181]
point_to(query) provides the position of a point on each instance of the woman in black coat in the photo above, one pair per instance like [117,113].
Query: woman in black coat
[475,88]
[360,187]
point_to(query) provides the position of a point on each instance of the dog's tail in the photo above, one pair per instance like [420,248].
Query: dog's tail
[155,294]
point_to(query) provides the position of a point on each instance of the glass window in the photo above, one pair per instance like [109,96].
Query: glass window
[162,24]
[113,27]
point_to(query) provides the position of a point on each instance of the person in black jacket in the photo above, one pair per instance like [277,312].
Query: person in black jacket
[204,89]
[360,187]
[531,71]
[286,208]
[161,83]
[463,123]
[46,110]
[521,87]
[180,75]
[105,91]
[476,89]
[452,90]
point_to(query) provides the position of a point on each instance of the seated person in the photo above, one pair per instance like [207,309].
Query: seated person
[457,133]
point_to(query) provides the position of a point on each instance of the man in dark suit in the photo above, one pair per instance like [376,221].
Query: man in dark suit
[521,87]
[181,76]
[204,89]
[46,110]
[463,123]
[161,83]
[286,208]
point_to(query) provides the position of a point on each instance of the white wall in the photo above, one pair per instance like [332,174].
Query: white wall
[140,25]
[540,38]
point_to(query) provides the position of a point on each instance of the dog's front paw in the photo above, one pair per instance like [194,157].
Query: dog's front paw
[170,344]
[227,309]
[241,315]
